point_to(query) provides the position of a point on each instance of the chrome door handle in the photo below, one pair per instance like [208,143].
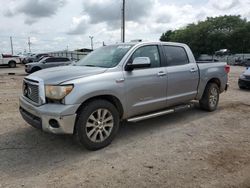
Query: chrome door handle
[161,73]
[193,70]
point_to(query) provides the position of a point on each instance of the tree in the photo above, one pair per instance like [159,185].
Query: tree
[213,34]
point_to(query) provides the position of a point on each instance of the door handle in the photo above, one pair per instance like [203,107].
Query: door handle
[161,73]
[193,70]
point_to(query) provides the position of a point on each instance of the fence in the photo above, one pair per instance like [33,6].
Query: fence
[230,59]
[73,55]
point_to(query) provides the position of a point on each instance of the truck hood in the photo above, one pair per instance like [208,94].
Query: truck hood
[58,75]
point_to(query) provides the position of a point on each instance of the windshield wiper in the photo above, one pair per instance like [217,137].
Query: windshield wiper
[89,65]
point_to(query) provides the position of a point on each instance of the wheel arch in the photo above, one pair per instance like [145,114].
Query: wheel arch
[11,61]
[216,81]
[110,98]
[202,88]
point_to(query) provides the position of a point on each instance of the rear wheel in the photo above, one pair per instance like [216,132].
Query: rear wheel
[210,98]
[12,64]
[97,124]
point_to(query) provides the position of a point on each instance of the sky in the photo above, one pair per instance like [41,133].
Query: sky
[55,25]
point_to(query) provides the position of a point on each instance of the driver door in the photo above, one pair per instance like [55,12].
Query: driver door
[146,87]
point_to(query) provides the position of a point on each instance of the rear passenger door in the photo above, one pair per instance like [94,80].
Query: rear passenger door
[183,75]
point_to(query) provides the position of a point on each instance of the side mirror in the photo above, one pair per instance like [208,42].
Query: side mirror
[138,62]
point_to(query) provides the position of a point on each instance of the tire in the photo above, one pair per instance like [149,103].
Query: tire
[242,87]
[210,98]
[95,132]
[12,64]
[35,69]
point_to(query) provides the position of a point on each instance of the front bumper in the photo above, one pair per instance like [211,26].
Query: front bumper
[40,116]
[244,83]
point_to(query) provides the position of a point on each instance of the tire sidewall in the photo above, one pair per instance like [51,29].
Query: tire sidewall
[12,64]
[211,86]
[87,110]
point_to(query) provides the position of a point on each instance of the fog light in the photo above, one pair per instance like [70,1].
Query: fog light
[54,123]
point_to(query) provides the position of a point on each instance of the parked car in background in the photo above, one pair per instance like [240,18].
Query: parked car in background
[24,56]
[47,62]
[123,82]
[246,62]
[39,57]
[35,57]
[42,57]
[29,58]
[9,60]
[244,80]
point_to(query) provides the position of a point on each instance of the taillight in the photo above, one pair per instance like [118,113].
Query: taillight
[227,69]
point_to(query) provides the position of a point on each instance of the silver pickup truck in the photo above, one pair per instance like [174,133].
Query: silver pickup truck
[122,82]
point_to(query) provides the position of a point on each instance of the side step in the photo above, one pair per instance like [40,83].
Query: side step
[164,112]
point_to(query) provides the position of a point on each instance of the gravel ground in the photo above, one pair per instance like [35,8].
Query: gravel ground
[188,149]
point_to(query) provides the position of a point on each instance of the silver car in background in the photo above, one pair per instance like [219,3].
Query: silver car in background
[47,62]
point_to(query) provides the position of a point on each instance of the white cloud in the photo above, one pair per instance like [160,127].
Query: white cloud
[57,24]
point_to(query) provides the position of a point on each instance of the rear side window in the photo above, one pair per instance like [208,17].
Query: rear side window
[50,60]
[64,59]
[175,55]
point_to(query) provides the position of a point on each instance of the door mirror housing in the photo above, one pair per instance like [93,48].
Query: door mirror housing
[138,62]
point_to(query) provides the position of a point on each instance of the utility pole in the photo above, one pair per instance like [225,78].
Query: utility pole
[29,43]
[11,45]
[123,22]
[91,42]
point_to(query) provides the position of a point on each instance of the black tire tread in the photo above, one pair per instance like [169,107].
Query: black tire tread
[204,102]
[82,116]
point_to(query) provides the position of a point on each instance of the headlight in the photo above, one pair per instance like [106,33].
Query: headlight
[57,92]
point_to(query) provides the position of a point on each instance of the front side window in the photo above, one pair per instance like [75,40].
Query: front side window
[175,55]
[151,52]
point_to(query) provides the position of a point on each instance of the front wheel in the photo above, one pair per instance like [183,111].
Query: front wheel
[97,124]
[210,98]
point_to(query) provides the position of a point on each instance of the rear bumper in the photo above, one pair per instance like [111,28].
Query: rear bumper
[40,116]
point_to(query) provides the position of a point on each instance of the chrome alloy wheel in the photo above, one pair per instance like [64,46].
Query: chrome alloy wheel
[213,98]
[99,125]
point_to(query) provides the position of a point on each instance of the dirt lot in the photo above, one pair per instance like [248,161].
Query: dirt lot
[188,149]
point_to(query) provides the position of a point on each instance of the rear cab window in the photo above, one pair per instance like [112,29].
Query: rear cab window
[175,55]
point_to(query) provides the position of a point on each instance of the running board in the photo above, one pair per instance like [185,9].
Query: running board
[156,114]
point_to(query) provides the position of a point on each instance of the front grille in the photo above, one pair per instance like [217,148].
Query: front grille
[31,91]
[247,77]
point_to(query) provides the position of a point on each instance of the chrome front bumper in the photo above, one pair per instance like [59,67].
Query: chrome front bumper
[40,116]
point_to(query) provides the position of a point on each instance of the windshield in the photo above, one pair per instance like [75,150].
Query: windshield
[107,56]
